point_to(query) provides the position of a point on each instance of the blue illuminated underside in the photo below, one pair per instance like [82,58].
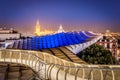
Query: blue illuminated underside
[54,40]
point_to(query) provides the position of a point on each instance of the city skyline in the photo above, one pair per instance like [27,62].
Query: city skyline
[59,40]
[73,15]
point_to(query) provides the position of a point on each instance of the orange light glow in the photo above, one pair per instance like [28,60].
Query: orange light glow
[38,32]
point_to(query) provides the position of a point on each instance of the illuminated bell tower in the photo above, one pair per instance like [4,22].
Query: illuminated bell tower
[37,32]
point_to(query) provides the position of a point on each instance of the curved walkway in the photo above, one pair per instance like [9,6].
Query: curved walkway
[54,68]
[15,71]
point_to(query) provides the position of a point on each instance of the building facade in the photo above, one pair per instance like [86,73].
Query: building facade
[9,34]
[109,43]
[38,31]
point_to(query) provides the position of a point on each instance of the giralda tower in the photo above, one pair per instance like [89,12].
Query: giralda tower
[37,32]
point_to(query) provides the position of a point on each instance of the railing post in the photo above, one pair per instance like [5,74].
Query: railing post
[33,61]
[4,56]
[83,73]
[20,57]
[67,72]
[50,71]
[0,54]
[92,75]
[101,73]
[10,56]
[36,64]
[28,60]
[58,72]
[17,57]
[76,74]
[113,76]
[45,72]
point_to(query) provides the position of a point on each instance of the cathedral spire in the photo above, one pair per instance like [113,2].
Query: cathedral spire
[38,31]
[37,28]
[60,29]
[38,22]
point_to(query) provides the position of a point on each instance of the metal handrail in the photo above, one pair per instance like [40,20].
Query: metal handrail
[21,58]
[41,62]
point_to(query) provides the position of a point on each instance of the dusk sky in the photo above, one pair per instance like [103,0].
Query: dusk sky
[95,15]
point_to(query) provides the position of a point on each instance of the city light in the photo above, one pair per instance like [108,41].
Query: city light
[38,31]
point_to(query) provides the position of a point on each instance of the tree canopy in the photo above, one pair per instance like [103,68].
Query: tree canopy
[97,54]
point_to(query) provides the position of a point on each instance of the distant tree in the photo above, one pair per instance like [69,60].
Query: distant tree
[97,54]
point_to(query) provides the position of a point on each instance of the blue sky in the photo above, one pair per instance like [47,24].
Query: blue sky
[96,15]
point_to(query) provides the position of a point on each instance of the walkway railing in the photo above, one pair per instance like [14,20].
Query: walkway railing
[24,57]
[50,67]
